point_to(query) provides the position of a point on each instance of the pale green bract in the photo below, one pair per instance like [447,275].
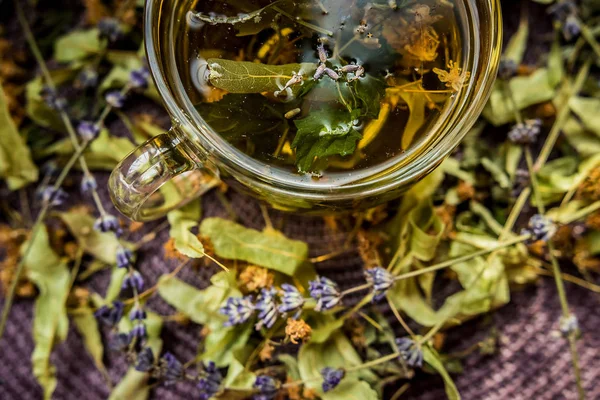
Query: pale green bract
[269,249]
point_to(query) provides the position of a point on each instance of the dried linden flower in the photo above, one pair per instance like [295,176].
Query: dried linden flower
[297,330]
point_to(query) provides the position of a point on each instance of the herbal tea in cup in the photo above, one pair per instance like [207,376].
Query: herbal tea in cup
[310,104]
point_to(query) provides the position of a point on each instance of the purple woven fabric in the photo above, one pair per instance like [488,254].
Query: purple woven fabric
[531,362]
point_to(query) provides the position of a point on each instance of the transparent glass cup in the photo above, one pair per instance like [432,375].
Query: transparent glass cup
[173,168]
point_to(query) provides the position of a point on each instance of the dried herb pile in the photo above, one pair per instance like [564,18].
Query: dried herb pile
[518,200]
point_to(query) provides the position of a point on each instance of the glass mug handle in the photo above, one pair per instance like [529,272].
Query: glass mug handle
[160,175]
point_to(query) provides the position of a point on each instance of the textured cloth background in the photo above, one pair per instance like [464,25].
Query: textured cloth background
[531,363]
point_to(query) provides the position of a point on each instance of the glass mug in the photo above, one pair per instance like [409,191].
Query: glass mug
[173,168]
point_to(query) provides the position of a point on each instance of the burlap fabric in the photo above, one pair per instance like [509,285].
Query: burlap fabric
[531,362]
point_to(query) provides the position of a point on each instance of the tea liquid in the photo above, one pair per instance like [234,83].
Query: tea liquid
[322,89]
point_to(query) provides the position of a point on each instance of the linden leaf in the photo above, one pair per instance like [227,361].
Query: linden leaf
[50,323]
[103,246]
[77,45]
[269,249]
[250,77]
[432,358]
[336,352]
[182,220]
[87,326]
[238,116]
[588,111]
[324,133]
[16,165]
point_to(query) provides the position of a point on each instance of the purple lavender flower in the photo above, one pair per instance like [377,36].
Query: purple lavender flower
[410,351]
[210,383]
[145,360]
[125,257]
[115,99]
[267,308]
[540,228]
[137,313]
[171,368]
[291,299]
[87,78]
[238,310]
[569,326]
[88,184]
[571,27]
[108,223]
[110,29]
[507,69]
[133,280]
[266,386]
[52,197]
[53,99]
[526,132]
[325,292]
[88,130]
[138,79]
[110,315]
[138,331]
[331,378]
[381,279]
[119,342]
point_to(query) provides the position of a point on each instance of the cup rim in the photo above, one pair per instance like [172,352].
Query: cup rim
[256,173]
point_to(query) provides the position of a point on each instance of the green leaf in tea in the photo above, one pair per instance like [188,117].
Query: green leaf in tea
[250,77]
[269,249]
[239,116]
[324,133]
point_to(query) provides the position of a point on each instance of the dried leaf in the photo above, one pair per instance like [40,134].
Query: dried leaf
[432,358]
[103,246]
[50,323]
[250,77]
[182,220]
[269,249]
[16,165]
[588,111]
[87,326]
[337,352]
[77,45]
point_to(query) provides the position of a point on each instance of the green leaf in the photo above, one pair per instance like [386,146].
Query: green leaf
[588,111]
[134,385]
[238,377]
[237,116]
[269,249]
[370,91]
[182,220]
[324,133]
[106,151]
[201,306]
[50,323]
[103,246]
[416,120]
[16,165]
[250,77]
[427,231]
[527,91]
[497,172]
[586,143]
[432,358]
[87,326]
[77,45]
[116,282]
[517,45]
[556,69]
[337,352]
[291,364]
